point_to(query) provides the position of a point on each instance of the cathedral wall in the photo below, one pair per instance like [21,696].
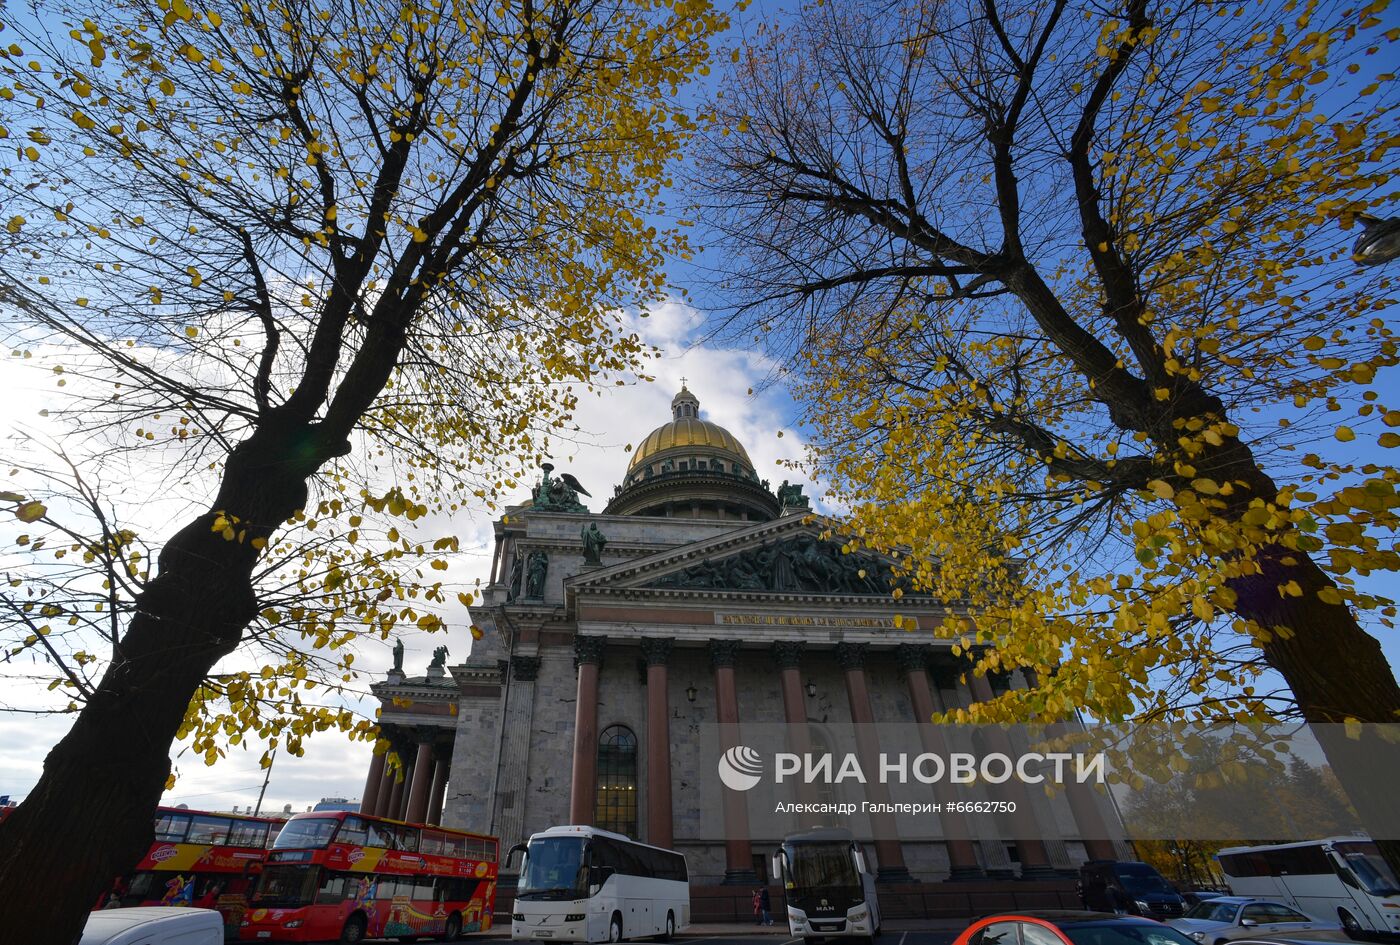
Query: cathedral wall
[472,777]
[551,744]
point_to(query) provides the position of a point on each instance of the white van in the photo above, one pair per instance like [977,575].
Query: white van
[154,925]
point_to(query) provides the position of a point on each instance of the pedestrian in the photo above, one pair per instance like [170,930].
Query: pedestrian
[766,905]
[757,908]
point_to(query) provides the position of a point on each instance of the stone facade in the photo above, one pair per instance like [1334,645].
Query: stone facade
[688,623]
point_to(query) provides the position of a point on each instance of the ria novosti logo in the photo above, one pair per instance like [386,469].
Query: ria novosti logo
[740,768]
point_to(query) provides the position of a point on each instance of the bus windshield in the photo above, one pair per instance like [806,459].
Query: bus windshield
[821,866]
[555,868]
[285,886]
[311,833]
[1372,872]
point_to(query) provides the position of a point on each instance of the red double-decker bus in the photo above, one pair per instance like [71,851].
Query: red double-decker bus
[198,859]
[342,877]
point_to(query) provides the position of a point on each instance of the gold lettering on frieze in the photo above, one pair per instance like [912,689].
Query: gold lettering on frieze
[800,620]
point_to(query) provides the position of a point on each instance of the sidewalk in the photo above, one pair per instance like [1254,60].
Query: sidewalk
[730,929]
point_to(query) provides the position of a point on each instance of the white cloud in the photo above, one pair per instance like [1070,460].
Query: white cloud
[619,416]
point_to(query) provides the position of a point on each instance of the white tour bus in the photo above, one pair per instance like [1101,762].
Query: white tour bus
[829,890]
[581,884]
[1340,879]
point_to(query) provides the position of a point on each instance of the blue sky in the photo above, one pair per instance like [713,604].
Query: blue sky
[720,373]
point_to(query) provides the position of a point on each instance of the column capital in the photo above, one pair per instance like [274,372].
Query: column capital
[589,649]
[526,668]
[656,650]
[946,672]
[912,657]
[723,652]
[851,655]
[788,653]
[428,734]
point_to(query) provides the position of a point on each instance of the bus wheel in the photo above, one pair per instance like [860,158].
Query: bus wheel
[1350,925]
[615,931]
[454,928]
[670,927]
[354,931]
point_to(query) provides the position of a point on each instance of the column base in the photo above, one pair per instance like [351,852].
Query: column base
[1001,873]
[965,874]
[740,878]
[1039,872]
[893,874]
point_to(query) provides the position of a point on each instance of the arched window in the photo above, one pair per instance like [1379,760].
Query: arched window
[617,781]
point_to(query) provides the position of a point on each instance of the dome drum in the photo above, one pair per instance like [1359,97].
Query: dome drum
[692,468]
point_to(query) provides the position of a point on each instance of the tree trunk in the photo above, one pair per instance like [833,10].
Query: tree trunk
[90,817]
[1337,672]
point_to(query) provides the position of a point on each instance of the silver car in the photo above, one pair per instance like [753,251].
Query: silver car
[1235,917]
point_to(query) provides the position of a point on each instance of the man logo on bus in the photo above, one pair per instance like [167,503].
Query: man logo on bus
[740,768]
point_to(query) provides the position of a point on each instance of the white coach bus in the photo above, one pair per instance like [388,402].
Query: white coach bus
[1340,879]
[829,889]
[581,884]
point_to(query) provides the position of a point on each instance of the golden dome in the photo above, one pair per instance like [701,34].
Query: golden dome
[688,432]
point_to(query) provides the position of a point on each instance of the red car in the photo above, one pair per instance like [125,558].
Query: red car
[1068,928]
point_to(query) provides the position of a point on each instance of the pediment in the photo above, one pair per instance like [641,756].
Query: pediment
[799,554]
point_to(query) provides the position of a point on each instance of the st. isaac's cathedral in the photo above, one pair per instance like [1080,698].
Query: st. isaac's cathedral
[700,597]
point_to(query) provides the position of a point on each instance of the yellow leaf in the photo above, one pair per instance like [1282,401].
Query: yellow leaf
[1345,435]
[1161,489]
[31,511]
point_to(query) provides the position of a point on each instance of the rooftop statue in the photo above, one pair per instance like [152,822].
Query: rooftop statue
[790,497]
[593,542]
[558,493]
[439,657]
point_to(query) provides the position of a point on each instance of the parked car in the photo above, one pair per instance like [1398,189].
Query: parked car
[1127,887]
[1196,896]
[1227,918]
[1065,927]
[1321,937]
[154,925]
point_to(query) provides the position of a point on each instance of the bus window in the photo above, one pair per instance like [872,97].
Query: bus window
[408,839]
[170,828]
[382,835]
[454,845]
[1365,861]
[336,888]
[247,833]
[143,886]
[352,830]
[211,830]
[432,843]
[423,887]
[311,833]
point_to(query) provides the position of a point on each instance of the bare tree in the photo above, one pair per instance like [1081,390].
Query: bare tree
[260,232]
[1035,268]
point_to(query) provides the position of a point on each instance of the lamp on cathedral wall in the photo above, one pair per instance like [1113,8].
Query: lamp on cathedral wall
[690,693]
[811,689]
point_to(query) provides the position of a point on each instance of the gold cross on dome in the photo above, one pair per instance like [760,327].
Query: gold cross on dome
[682,382]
